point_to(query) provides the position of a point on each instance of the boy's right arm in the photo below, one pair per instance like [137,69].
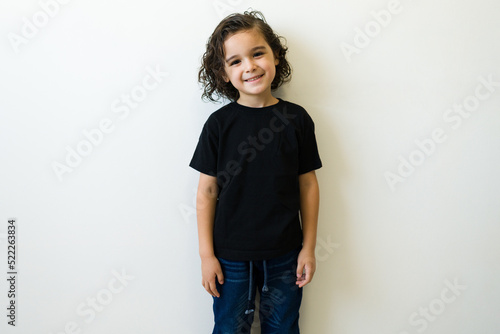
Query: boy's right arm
[206,199]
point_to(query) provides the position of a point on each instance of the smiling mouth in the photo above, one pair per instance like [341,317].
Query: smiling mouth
[254,78]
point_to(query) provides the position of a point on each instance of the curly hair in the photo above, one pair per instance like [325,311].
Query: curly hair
[212,70]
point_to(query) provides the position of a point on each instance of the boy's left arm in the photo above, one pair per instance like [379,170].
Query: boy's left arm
[309,207]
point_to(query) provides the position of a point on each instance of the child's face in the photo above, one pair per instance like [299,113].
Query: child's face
[250,64]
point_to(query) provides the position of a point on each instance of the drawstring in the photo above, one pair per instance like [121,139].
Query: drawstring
[250,285]
[264,287]
[249,305]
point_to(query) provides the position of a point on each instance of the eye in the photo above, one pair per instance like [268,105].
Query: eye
[234,62]
[258,54]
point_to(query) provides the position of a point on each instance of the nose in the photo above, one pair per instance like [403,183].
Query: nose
[249,66]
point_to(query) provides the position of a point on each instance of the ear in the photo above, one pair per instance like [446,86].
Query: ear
[225,78]
[276,61]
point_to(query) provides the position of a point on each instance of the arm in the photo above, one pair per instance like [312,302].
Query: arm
[309,207]
[206,198]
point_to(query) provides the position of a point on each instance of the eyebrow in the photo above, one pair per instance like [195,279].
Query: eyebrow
[252,50]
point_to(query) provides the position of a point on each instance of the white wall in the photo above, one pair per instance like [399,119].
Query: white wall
[386,254]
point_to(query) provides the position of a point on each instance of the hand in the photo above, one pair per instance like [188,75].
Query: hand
[210,271]
[306,266]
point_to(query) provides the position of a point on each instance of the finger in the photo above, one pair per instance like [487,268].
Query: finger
[308,276]
[302,278]
[300,271]
[306,281]
[210,288]
[220,276]
[206,285]
[213,289]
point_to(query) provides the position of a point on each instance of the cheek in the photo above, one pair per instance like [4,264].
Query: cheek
[274,70]
[273,65]
[229,74]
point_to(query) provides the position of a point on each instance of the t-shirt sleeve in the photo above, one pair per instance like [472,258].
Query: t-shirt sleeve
[205,155]
[309,159]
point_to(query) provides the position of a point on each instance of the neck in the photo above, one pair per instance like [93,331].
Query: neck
[257,101]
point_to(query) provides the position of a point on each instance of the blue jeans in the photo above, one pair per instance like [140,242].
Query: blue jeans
[280,297]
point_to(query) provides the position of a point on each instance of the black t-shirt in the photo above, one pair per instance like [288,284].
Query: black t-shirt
[257,155]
